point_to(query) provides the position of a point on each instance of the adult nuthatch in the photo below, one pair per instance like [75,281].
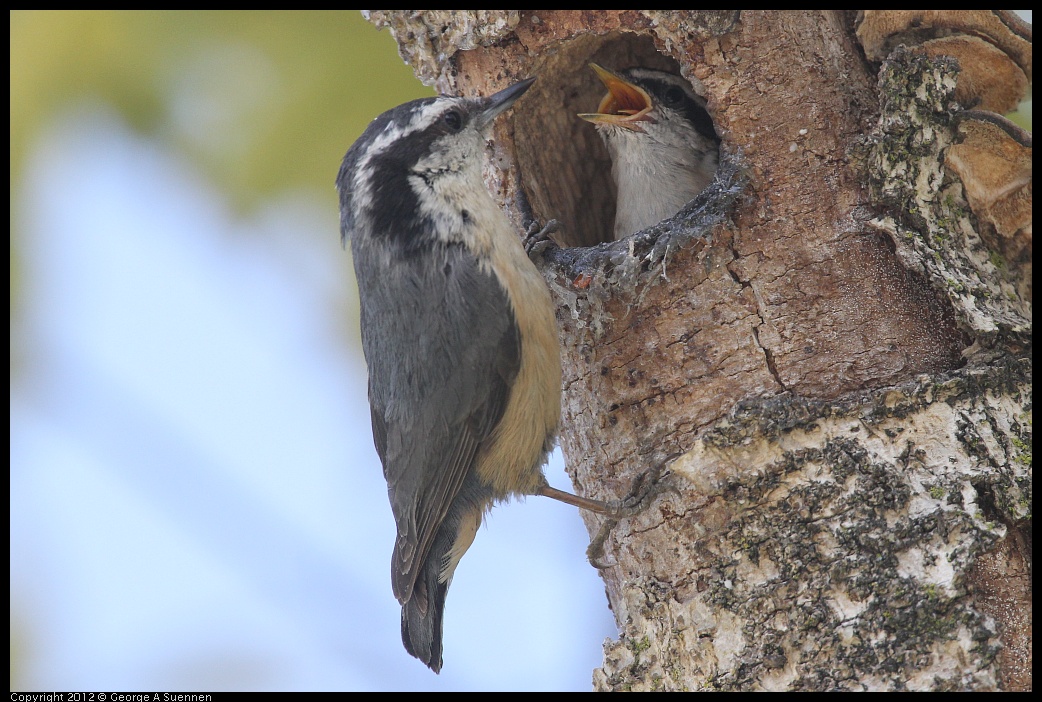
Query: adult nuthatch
[459,335]
[663,147]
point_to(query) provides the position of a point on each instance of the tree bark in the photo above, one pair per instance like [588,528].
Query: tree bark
[828,351]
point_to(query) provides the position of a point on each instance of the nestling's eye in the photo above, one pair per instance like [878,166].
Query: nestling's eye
[674,96]
[453,120]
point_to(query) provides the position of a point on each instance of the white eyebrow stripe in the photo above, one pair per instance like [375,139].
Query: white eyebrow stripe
[421,118]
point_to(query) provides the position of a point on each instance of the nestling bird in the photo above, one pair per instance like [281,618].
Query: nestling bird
[459,336]
[664,150]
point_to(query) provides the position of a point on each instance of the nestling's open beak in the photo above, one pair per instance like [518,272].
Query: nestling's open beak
[625,105]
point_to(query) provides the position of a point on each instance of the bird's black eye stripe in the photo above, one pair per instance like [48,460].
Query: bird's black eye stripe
[701,120]
[453,119]
[674,96]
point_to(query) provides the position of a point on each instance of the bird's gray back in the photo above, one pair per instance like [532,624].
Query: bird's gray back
[441,362]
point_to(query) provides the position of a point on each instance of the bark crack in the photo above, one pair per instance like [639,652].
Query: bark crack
[768,355]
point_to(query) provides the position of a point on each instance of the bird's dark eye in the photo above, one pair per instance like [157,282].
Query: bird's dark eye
[674,96]
[453,120]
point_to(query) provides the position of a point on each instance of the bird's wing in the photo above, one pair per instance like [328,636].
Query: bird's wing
[443,351]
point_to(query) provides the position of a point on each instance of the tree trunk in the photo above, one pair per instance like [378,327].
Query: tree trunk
[828,351]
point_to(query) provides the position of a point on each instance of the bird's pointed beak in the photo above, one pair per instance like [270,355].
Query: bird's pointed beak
[625,105]
[501,101]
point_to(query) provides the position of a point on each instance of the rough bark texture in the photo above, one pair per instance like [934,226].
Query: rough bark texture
[831,346]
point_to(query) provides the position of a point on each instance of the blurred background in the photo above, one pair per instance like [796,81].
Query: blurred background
[196,503]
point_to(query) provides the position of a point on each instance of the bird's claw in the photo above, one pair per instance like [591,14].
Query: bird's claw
[646,487]
[537,238]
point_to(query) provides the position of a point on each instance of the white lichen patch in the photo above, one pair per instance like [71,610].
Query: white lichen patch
[833,553]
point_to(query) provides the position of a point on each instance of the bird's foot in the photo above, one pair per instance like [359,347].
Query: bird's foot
[537,239]
[646,487]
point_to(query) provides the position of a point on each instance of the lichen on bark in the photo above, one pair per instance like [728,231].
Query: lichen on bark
[831,547]
[926,213]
